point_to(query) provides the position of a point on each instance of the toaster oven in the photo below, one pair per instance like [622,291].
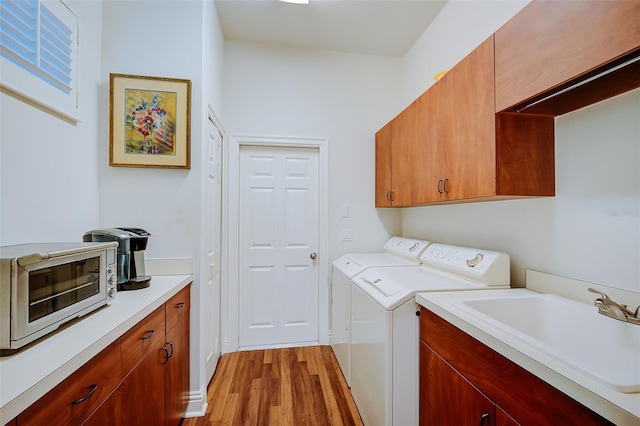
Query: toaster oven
[43,286]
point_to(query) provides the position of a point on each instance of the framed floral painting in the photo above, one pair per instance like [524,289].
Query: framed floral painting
[149,122]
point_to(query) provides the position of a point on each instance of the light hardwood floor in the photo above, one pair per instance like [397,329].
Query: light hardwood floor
[291,386]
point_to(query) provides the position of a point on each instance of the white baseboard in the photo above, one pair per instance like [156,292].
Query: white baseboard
[197,406]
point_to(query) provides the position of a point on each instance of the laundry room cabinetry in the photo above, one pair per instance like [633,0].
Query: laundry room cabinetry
[450,146]
[177,361]
[384,185]
[141,378]
[140,395]
[458,371]
[155,387]
[443,388]
[404,162]
[550,45]
[73,401]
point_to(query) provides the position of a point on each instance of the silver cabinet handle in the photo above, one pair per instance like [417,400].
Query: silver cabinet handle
[313,256]
[92,389]
[484,419]
[149,335]
[446,190]
[440,186]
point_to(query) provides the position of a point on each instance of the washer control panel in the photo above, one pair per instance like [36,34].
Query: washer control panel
[406,247]
[490,267]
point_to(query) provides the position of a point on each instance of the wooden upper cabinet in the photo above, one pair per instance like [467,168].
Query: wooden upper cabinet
[405,157]
[449,145]
[383,167]
[425,157]
[469,133]
[413,157]
[550,44]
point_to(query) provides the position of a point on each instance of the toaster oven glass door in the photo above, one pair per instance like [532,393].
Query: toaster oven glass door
[54,288]
[55,291]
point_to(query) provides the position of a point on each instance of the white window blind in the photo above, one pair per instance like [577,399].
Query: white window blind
[38,53]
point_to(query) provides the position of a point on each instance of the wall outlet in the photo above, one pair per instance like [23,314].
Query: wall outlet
[346,235]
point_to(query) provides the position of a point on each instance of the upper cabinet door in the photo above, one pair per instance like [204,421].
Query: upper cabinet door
[418,160]
[469,155]
[383,167]
[550,43]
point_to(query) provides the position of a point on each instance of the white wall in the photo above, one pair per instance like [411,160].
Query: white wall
[458,29]
[48,167]
[163,201]
[591,229]
[55,179]
[176,39]
[346,98]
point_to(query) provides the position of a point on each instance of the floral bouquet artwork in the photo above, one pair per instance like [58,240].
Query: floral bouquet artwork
[150,122]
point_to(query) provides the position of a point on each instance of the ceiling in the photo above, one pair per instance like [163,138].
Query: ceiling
[378,27]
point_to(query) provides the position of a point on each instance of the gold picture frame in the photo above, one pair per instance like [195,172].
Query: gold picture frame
[149,121]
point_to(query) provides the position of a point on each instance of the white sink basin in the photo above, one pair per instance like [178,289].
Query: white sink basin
[573,333]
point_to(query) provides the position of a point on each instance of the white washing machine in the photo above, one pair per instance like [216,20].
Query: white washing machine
[385,325]
[398,251]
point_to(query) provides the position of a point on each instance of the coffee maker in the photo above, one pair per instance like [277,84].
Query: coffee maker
[131,245]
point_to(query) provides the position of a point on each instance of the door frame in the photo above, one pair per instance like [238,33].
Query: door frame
[230,285]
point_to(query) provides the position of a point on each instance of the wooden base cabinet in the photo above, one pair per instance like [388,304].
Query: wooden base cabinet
[177,364]
[74,400]
[442,388]
[140,379]
[464,382]
[141,395]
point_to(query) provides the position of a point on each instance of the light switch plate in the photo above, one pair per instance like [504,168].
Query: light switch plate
[344,211]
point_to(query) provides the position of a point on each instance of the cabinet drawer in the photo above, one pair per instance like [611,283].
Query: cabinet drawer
[177,307]
[78,396]
[146,336]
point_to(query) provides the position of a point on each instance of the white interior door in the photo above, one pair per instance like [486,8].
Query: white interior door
[213,243]
[278,245]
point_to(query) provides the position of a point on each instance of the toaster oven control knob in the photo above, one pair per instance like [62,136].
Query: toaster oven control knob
[110,270]
[112,293]
[112,279]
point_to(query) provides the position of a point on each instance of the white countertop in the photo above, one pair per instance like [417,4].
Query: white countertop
[35,370]
[620,408]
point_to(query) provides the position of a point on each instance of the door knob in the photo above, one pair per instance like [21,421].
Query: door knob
[313,256]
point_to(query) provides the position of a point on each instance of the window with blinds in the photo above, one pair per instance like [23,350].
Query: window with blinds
[38,50]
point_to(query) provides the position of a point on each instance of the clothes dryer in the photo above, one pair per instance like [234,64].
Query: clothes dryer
[398,252]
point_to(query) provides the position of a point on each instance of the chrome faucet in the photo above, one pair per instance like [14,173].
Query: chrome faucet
[612,309]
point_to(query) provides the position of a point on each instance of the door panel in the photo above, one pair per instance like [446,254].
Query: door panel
[213,246]
[278,218]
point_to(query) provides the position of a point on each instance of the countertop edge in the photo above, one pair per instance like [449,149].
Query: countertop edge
[588,397]
[170,285]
